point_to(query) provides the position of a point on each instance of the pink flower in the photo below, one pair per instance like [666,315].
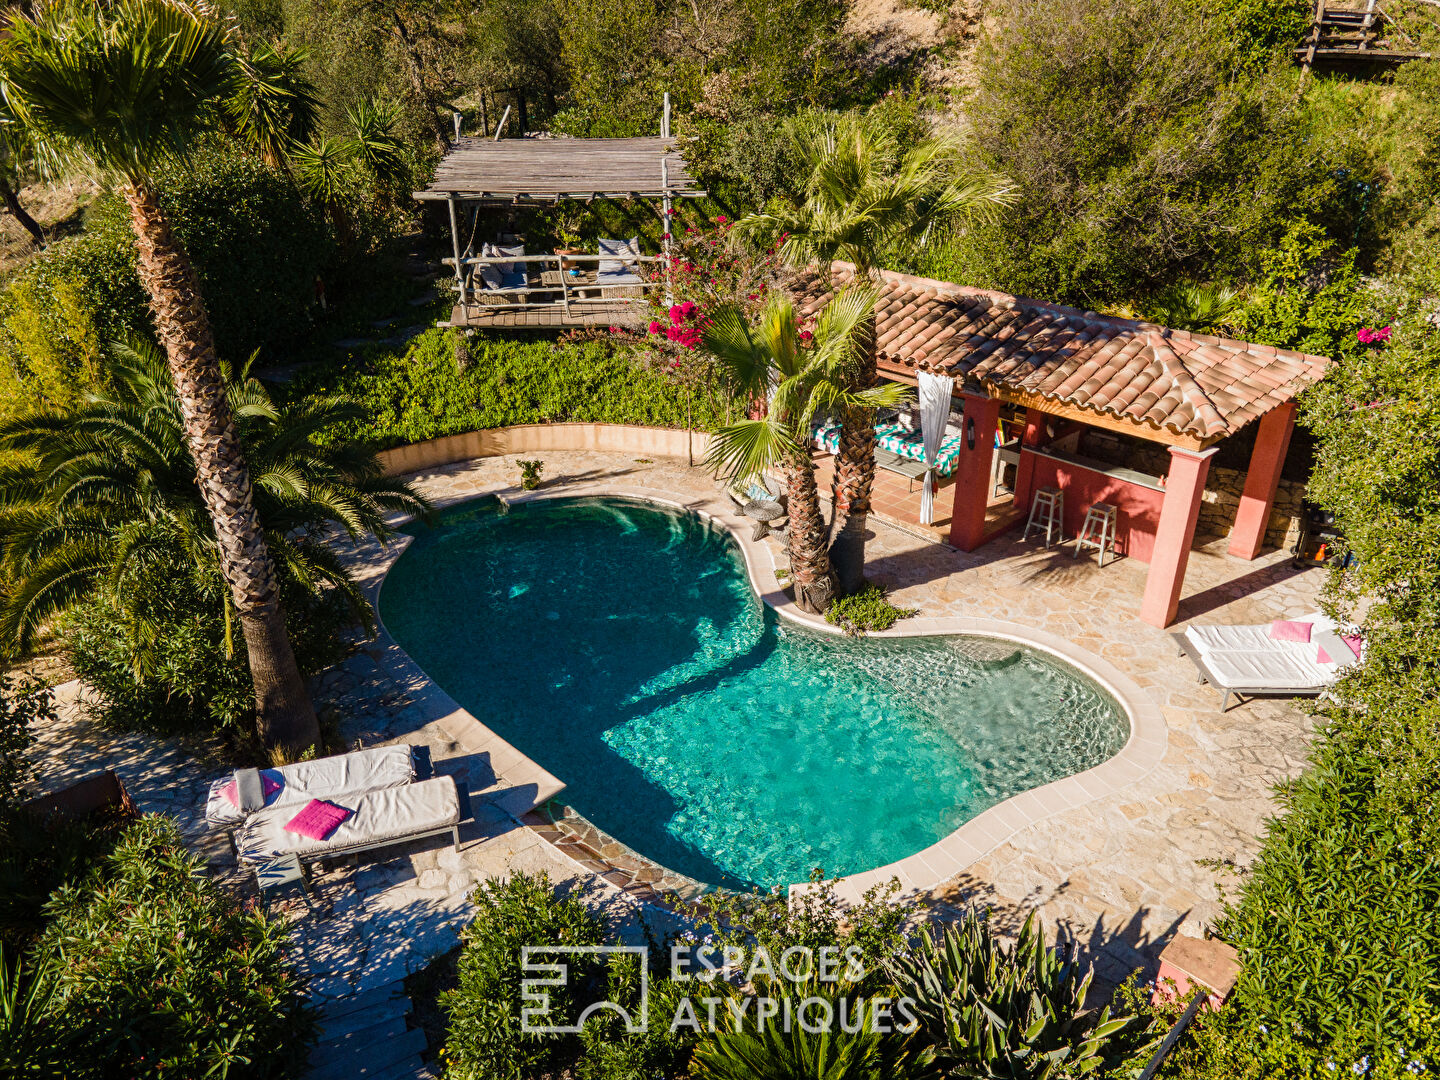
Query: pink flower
[655,326]
[670,212]
[721,220]
[1366,336]
[615,330]
[806,335]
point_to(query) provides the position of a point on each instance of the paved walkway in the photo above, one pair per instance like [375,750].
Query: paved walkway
[1124,870]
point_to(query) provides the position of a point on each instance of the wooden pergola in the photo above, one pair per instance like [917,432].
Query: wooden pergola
[545,171]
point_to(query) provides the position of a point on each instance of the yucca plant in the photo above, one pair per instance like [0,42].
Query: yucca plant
[837,1048]
[1192,305]
[996,1012]
[32,1043]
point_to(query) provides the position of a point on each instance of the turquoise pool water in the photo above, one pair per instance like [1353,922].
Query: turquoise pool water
[619,645]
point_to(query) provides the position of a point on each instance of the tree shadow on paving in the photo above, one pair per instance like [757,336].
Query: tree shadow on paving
[1113,950]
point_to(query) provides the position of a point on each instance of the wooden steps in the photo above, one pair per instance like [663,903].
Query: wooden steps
[367,1036]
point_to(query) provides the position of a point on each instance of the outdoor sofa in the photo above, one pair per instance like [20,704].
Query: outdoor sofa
[323,778]
[381,818]
[1247,660]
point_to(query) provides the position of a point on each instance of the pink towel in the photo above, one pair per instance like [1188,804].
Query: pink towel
[318,819]
[1281,630]
[1355,641]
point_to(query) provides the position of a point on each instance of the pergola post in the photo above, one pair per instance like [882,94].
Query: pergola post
[1035,421]
[1262,479]
[1184,491]
[972,471]
[665,205]
[455,246]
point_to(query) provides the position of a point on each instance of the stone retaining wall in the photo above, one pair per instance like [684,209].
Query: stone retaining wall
[536,438]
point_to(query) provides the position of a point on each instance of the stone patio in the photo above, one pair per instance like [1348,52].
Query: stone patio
[1122,871]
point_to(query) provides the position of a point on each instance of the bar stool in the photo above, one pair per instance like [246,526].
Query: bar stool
[1098,531]
[1047,511]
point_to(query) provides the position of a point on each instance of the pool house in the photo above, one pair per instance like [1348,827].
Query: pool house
[1066,423]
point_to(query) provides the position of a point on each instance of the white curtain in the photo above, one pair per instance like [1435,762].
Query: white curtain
[934,409]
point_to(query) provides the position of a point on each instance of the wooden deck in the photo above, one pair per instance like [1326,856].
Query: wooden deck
[495,317]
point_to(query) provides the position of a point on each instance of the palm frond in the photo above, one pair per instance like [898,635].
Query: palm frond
[748,447]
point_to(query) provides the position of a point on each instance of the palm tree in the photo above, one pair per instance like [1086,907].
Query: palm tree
[1191,305]
[867,197]
[273,106]
[105,500]
[808,378]
[121,86]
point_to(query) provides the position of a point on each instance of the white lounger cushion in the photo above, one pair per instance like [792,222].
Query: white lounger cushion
[1250,638]
[1271,670]
[387,814]
[323,778]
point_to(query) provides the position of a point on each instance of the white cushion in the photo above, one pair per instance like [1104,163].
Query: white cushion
[625,256]
[323,778]
[389,813]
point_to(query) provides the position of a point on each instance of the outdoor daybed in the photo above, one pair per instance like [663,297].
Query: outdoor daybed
[324,778]
[381,818]
[1244,660]
[906,444]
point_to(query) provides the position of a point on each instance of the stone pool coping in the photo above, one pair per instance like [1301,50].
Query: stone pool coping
[921,872]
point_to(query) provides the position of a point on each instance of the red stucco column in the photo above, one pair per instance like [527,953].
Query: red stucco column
[1263,477]
[972,471]
[1184,489]
[1025,471]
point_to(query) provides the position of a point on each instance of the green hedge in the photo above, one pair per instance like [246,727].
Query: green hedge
[1338,919]
[422,394]
[257,246]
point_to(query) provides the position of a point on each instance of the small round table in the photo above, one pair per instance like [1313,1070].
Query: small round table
[764,512]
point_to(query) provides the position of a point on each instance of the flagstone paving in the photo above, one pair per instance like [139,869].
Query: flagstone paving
[1124,872]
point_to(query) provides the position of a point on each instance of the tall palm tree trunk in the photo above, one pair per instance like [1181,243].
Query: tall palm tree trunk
[12,203]
[854,473]
[810,572]
[285,715]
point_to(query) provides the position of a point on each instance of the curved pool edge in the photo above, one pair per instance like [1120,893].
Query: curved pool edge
[921,872]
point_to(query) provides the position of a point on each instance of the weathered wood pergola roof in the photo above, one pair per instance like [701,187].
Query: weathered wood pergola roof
[547,170]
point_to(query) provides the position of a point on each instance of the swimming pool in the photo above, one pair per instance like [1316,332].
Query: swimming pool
[619,645]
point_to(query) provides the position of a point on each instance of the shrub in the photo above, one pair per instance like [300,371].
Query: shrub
[486,1039]
[530,474]
[421,395]
[1337,920]
[22,703]
[993,1010]
[256,244]
[165,976]
[1307,297]
[866,610]
[167,666]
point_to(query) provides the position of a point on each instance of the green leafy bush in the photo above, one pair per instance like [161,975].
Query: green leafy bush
[869,609]
[23,703]
[422,395]
[256,243]
[486,1040]
[159,974]
[1307,297]
[1337,920]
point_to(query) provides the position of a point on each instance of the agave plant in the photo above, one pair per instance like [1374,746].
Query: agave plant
[1015,1013]
[838,1040]
[32,1042]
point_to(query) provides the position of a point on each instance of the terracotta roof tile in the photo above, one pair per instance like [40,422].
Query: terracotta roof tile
[1191,384]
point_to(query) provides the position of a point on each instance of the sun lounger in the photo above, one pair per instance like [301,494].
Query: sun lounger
[619,264]
[381,818]
[323,778]
[1246,660]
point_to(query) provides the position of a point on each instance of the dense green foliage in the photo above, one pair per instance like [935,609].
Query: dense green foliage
[101,516]
[257,246]
[158,974]
[423,393]
[1017,1011]
[1338,920]
[486,1040]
